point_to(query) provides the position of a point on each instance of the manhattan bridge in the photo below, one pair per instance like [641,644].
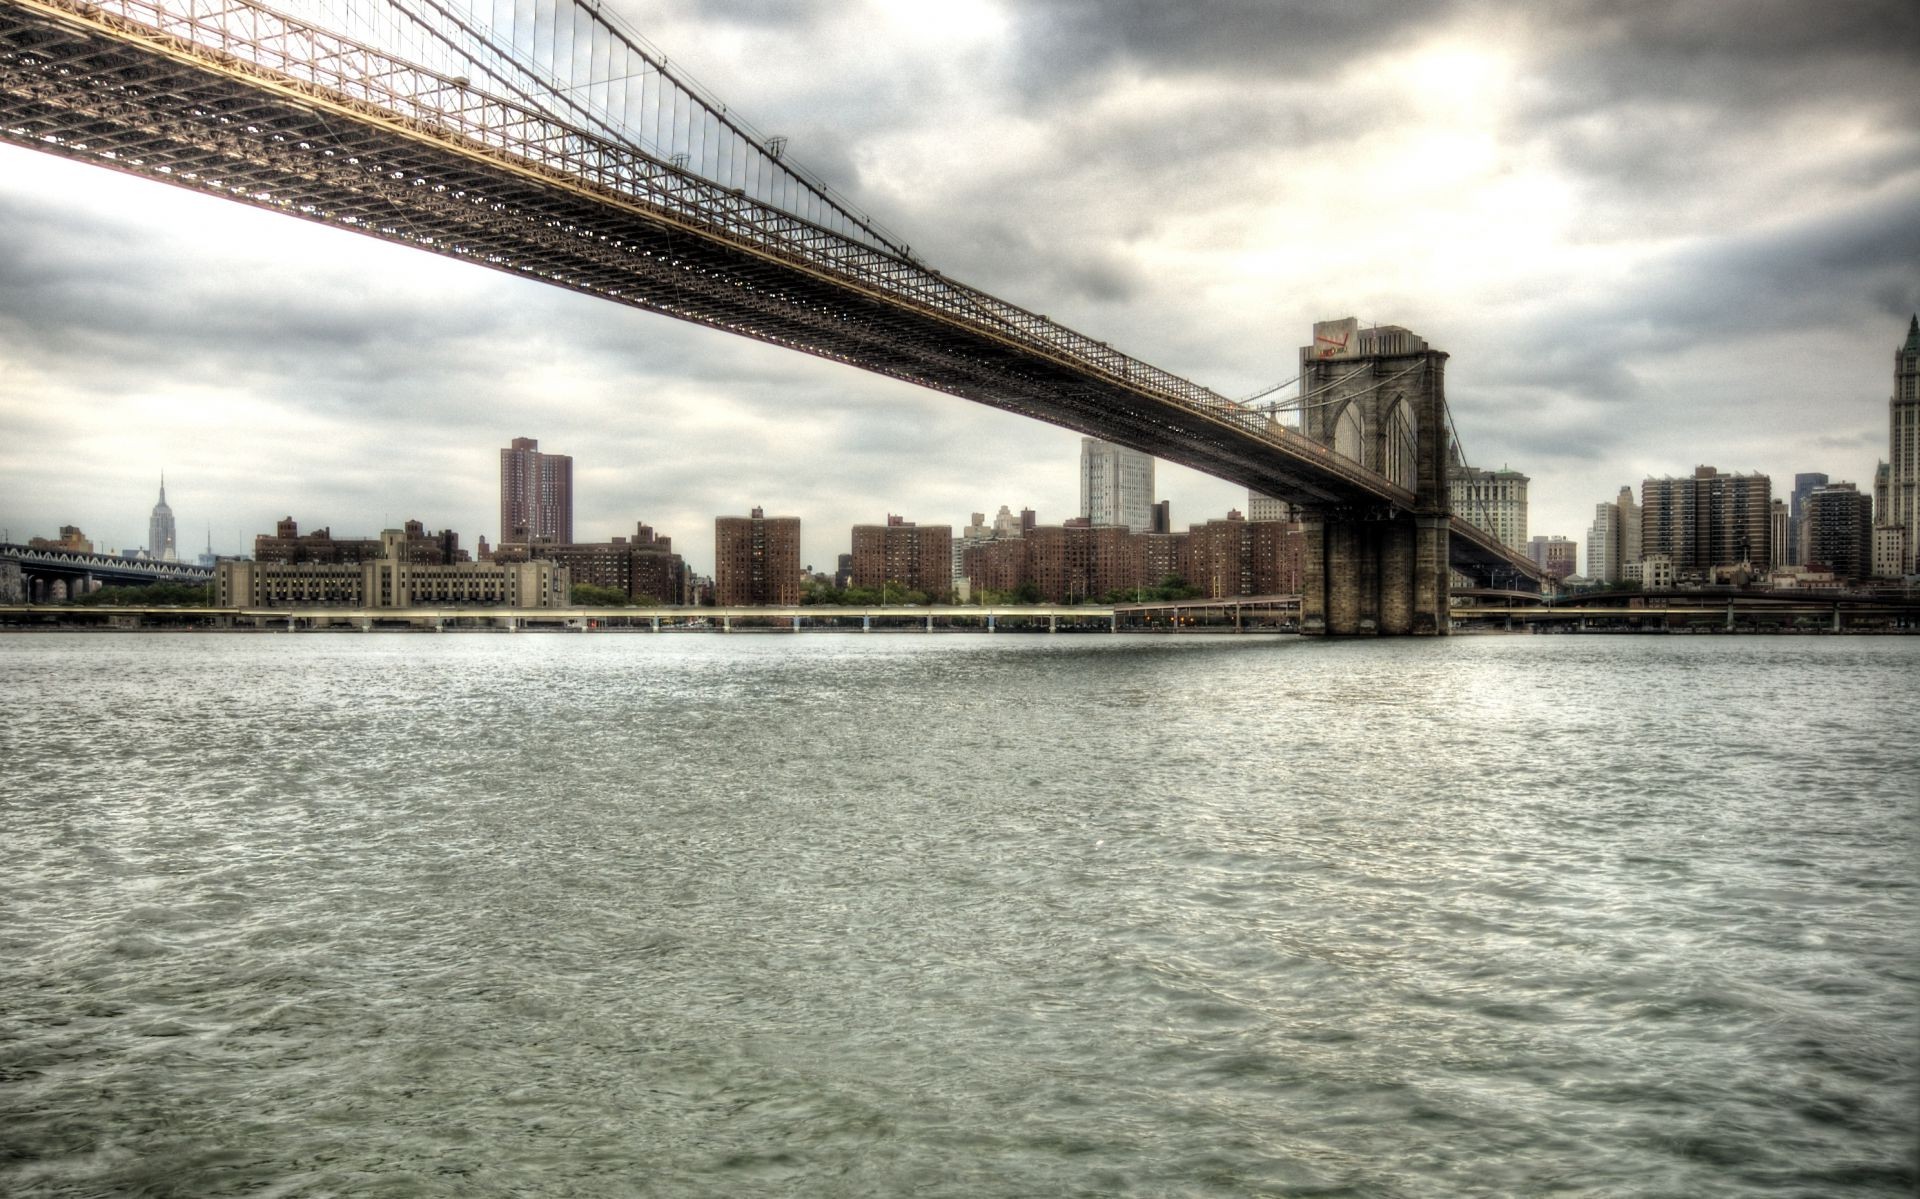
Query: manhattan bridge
[547,139]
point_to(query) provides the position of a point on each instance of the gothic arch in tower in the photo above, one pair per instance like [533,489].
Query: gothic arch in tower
[1398,457]
[1349,434]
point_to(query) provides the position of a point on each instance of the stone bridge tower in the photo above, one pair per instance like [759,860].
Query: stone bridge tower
[1377,396]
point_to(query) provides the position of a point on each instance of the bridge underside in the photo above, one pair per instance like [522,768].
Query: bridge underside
[174,115]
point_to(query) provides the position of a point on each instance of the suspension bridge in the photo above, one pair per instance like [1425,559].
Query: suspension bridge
[546,139]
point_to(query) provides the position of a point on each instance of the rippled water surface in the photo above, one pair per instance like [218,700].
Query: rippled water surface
[477,915]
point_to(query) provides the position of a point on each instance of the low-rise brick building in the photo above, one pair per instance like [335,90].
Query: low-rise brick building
[643,566]
[287,545]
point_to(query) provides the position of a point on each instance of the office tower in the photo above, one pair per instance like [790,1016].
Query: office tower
[1494,500]
[908,556]
[1903,449]
[1804,485]
[536,494]
[1613,540]
[756,560]
[1782,532]
[1116,485]
[1839,531]
[160,528]
[1706,520]
[1629,532]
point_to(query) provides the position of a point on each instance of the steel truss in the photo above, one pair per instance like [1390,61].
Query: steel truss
[234,99]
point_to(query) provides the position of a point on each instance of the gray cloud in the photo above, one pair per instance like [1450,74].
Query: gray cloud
[1065,42]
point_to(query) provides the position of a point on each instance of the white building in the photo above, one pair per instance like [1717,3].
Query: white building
[1116,485]
[1265,507]
[1494,500]
[1890,551]
[1657,572]
[1613,539]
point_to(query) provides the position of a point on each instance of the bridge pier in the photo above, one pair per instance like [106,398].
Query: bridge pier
[1375,577]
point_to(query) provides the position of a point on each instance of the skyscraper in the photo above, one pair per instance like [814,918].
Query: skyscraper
[1116,485]
[1603,544]
[1839,531]
[536,494]
[160,528]
[1903,437]
[1804,485]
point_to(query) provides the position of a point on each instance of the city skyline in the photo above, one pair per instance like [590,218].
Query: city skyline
[1616,306]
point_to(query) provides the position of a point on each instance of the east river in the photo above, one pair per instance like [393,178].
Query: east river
[958,915]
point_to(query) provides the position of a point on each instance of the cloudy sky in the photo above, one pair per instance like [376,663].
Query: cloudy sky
[1649,234]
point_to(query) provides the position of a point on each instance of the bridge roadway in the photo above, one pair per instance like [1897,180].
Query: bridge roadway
[239,102]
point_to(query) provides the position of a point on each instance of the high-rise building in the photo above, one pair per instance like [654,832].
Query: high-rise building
[1804,485]
[1902,506]
[1706,520]
[1494,500]
[536,494]
[1839,531]
[1782,523]
[1613,540]
[904,554]
[756,560]
[1116,485]
[1603,544]
[160,529]
[1554,555]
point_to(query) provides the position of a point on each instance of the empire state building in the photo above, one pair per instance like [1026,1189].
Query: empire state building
[160,528]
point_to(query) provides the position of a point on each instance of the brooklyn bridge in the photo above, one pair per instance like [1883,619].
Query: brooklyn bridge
[545,139]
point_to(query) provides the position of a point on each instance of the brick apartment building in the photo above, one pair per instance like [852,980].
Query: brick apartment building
[756,560]
[916,557]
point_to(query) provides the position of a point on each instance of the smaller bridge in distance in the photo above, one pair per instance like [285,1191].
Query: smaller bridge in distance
[41,568]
